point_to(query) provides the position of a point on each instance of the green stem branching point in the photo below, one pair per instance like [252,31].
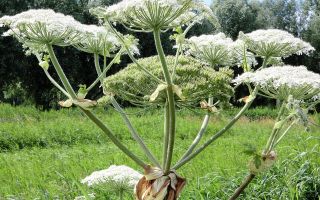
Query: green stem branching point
[60,72]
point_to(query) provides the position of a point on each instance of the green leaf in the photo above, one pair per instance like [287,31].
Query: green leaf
[250,149]
[257,161]
[82,92]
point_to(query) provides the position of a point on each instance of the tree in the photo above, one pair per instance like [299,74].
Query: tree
[235,16]
[280,14]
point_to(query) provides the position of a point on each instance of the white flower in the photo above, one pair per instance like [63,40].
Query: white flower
[97,39]
[211,49]
[114,174]
[275,43]
[43,26]
[147,15]
[280,82]
[218,49]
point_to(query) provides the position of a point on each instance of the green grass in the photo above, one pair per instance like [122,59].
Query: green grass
[46,154]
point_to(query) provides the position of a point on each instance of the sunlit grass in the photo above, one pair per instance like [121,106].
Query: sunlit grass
[46,154]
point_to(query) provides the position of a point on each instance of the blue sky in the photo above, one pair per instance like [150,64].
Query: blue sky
[208,2]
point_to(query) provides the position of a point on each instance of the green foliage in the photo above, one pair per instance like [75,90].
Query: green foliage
[75,150]
[235,16]
[280,14]
[15,94]
[197,82]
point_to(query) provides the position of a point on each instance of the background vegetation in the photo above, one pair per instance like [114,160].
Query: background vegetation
[21,81]
[41,160]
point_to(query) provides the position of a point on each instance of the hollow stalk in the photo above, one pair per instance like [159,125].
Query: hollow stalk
[170,98]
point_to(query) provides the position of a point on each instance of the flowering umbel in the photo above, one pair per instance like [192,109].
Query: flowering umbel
[119,174]
[148,15]
[275,43]
[42,26]
[279,82]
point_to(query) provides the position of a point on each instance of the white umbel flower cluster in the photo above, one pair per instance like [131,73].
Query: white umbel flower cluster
[36,28]
[275,43]
[279,82]
[146,15]
[218,49]
[42,26]
[211,49]
[97,39]
[114,174]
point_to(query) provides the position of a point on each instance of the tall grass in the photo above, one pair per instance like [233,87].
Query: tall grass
[46,154]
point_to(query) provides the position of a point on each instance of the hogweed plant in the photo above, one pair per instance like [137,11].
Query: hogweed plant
[198,74]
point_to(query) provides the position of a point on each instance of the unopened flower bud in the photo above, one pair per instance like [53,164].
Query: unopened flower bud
[44,64]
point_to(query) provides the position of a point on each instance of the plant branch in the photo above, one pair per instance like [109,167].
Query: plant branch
[110,134]
[88,113]
[105,69]
[219,133]
[56,84]
[285,132]
[134,133]
[200,133]
[275,129]
[243,186]
[132,57]
[60,72]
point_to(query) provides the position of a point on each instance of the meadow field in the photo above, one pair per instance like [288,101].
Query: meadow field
[44,155]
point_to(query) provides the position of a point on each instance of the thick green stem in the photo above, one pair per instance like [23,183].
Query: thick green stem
[200,133]
[170,97]
[60,72]
[243,186]
[166,134]
[98,68]
[275,129]
[219,133]
[134,133]
[110,134]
